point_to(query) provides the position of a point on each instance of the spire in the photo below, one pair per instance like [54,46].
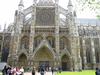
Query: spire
[34,1]
[56,1]
[21,6]
[21,3]
[70,3]
[70,6]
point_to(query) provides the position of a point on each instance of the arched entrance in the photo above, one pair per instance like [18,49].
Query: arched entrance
[22,60]
[65,62]
[44,57]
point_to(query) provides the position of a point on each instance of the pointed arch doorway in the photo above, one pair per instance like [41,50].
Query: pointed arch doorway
[22,60]
[65,62]
[44,57]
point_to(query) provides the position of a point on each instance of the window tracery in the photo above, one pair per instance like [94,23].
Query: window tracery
[24,42]
[97,52]
[88,50]
[51,41]
[97,55]
[37,41]
[88,55]
[45,16]
[62,43]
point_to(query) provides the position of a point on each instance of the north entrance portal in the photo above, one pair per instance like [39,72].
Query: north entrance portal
[44,57]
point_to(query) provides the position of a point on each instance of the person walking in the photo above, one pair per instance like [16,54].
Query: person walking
[97,71]
[42,71]
[52,70]
[33,71]
[22,70]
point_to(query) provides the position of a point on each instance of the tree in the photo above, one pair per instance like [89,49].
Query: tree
[91,4]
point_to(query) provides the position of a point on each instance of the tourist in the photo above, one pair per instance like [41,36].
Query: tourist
[9,72]
[59,69]
[97,71]
[4,71]
[22,70]
[39,69]
[18,72]
[33,71]
[52,70]
[42,71]
[49,68]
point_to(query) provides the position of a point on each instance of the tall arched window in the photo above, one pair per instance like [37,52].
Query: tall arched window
[0,43]
[88,55]
[51,41]
[37,41]
[25,42]
[0,47]
[62,43]
[88,50]
[97,52]
[97,55]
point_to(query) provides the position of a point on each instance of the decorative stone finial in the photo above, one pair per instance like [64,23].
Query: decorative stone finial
[21,3]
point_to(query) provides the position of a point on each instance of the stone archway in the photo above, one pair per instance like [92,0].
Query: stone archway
[65,62]
[22,60]
[44,57]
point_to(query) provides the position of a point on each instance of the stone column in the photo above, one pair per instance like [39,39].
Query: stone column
[74,53]
[57,34]
[32,33]
[31,40]
[32,30]
[71,64]
[99,46]
[13,51]
[57,47]
[99,41]
[57,40]
[84,53]
[19,26]
[57,27]
[79,55]
[93,53]
[18,42]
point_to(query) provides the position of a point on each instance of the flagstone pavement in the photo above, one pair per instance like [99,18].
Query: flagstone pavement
[37,73]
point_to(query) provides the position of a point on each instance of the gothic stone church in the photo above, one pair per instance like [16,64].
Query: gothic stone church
[39,36]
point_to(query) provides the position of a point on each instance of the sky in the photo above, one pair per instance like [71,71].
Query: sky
[8,7]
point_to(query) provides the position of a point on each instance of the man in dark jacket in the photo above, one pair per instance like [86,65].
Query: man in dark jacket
[97,71]
[42,71]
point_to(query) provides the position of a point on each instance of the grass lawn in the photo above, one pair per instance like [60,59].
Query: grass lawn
[85,72]
[0,73]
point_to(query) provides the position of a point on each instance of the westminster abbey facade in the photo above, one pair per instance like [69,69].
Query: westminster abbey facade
[40,36]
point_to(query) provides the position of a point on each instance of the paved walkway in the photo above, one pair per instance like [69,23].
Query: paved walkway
[47,73]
